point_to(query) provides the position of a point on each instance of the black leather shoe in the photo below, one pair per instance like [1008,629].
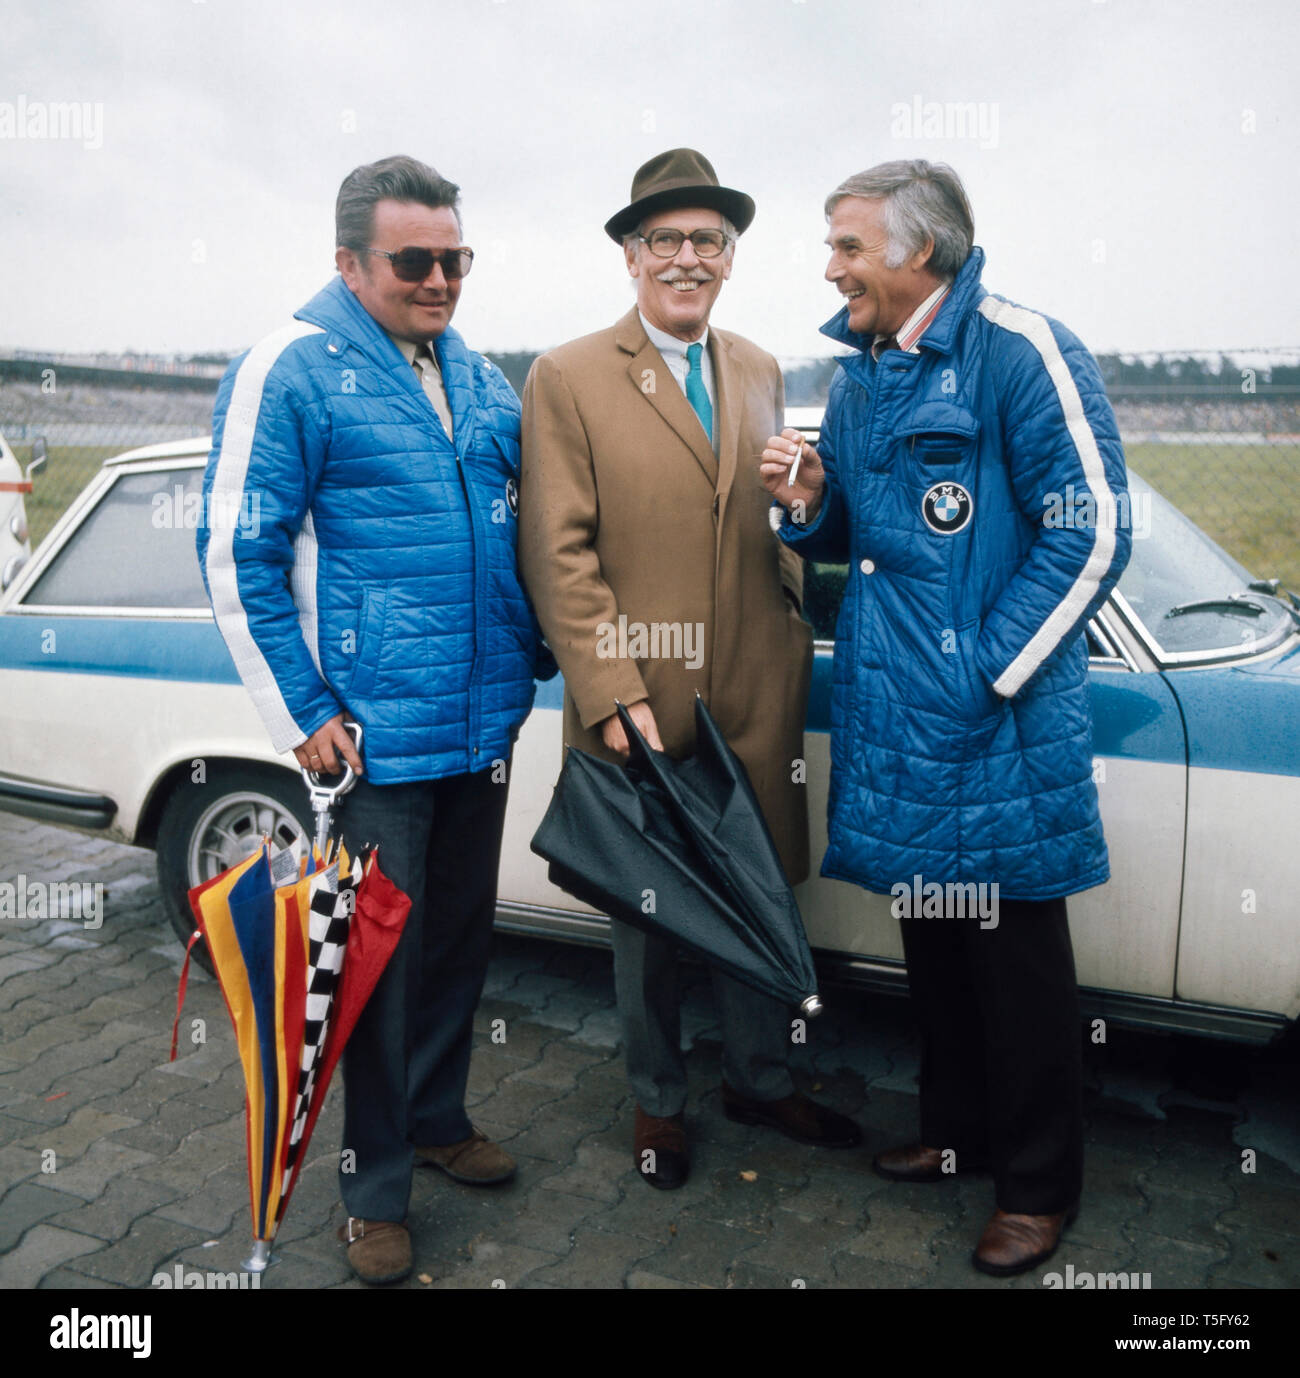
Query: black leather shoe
[920,1163]
[661,1156]
[796,1117]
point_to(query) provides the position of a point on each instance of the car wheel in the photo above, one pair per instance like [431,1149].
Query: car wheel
[208,828]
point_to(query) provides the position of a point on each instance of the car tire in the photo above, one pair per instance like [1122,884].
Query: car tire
[209,827]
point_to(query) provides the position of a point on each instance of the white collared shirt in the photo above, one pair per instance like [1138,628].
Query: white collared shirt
[430,378]
[916,324]
[674,352]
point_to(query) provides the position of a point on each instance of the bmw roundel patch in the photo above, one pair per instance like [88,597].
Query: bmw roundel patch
[512,495]
[947,507]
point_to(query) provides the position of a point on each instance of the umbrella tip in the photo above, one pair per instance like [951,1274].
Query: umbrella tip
[259,1259]
[812,1006]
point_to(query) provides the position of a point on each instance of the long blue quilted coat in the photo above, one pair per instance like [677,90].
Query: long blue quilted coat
[364,561]
[975,490]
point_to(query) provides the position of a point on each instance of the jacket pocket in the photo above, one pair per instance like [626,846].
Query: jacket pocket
[369,640]
[934,448]
[940,442]
[977,697]
[509,448]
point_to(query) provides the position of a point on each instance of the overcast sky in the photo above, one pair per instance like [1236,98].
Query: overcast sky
[1133,165]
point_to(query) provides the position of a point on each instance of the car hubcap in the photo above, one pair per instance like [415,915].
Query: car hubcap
[232,829]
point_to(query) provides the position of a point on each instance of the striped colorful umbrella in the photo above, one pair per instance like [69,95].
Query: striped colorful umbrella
[297,957]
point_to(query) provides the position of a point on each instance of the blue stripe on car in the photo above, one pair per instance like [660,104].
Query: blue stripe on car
[1237,716]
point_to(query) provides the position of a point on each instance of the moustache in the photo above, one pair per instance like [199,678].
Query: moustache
[684,275]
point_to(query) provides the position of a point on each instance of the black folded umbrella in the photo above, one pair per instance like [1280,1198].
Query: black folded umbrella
[692,833]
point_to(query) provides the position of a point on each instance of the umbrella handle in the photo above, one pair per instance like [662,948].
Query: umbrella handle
[637,744]
[324,796]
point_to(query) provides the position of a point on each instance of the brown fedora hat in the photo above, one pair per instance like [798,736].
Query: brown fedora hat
[680,177]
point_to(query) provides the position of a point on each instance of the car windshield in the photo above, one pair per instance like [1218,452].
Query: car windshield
[134,550]
[1174,567]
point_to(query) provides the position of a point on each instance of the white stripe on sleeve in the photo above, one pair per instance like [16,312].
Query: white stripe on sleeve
[229,477]
[1036,330]
[302,582]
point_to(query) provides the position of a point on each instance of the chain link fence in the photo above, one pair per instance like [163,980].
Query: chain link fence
[1231,466]
[1230,460]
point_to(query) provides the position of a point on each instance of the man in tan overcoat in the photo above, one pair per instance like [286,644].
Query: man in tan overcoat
[646,546]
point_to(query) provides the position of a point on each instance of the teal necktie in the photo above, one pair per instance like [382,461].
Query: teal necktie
[696,393]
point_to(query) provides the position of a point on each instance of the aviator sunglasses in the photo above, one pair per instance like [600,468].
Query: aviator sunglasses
[414,265]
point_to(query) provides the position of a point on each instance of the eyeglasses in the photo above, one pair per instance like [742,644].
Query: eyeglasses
[414,265]
[667,243]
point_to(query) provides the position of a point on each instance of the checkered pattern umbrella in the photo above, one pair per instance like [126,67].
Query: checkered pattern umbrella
[332,904]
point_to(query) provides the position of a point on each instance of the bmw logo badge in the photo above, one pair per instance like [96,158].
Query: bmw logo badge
[512,495]
[946,508]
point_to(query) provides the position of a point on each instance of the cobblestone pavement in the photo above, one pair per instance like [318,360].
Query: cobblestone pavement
[148,1156]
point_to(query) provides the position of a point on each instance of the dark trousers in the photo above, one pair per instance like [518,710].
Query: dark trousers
[1001,1050]
[755,1027]
[407,1063]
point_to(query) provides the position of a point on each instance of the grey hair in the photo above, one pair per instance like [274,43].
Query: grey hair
[633,237]
[391,179]
[923,201]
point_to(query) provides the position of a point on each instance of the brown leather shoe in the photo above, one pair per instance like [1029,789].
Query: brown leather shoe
[796,1117]
[378,1250]
[660,1149]
[476,1161]
[920,1163]
[1016,1243]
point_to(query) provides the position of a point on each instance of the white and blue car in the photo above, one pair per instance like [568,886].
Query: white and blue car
[123,712]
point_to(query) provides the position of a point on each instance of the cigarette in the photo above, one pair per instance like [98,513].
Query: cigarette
[794,468]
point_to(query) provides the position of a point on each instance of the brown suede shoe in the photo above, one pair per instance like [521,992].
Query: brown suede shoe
[1014,1244]
[660,1149]
[378,1250]
[476,1161]
[796,1117]
[920,1163]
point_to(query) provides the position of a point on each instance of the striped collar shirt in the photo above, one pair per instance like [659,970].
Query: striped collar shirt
[915,326]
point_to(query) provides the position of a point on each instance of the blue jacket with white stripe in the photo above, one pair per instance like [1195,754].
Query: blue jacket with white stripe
[975,488]
[373,567]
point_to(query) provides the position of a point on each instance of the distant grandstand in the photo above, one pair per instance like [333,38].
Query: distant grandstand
[156,370]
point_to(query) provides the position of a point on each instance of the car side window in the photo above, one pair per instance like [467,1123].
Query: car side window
[135,549]
[823,590]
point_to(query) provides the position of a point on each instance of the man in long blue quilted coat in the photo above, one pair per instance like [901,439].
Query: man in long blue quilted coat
[382,458]
[970,472]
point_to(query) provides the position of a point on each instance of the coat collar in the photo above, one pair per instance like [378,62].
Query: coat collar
[654,382]
[336,309]
[942,331]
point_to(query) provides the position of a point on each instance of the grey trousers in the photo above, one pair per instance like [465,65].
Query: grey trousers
[755,1028]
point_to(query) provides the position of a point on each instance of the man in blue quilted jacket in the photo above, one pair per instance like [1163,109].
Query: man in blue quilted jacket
[383,458]
[970,473]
